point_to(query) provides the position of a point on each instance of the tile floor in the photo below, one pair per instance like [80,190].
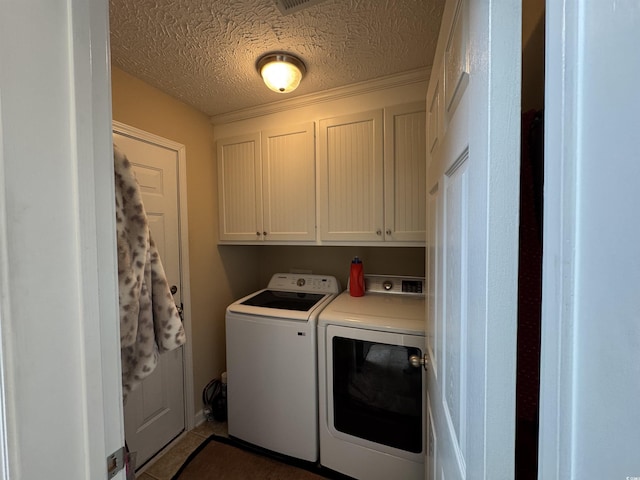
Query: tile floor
[168,463]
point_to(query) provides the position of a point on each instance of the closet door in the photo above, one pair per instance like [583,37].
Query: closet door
[155,411]
[351,178]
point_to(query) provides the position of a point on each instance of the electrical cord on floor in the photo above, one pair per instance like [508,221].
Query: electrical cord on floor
[215,403]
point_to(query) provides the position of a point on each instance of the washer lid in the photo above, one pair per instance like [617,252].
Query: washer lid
[280,307]
[289,296]
[300,301]
[397,313]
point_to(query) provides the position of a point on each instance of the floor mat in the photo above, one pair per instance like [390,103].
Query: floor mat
[222,458]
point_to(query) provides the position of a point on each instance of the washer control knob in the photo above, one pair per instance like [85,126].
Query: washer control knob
[387,285]
[301,282]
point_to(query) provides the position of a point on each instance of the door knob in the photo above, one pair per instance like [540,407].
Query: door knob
[174,289]
[416,361]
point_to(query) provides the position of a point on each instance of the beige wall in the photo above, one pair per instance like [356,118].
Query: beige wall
[216,280]
[336,260]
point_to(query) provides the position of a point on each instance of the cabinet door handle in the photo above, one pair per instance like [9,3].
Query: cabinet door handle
[264,233]
[258,233]
[378,232]
[388,231]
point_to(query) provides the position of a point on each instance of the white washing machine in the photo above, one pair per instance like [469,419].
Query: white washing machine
[371,397]
[272,381]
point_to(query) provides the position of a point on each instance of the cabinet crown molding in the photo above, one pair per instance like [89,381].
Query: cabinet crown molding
[381,83]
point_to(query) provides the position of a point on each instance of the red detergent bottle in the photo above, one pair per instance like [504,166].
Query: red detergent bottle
[356,278]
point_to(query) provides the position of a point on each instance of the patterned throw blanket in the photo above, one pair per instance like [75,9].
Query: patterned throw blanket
[149,320]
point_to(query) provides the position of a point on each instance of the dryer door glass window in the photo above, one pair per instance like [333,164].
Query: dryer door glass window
[377,394]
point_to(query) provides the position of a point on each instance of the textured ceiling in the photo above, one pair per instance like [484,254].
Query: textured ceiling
[203,52]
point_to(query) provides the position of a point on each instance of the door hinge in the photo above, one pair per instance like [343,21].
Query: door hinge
[115,462]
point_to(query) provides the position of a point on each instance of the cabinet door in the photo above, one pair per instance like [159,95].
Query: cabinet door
[288,183]
[351,180]
[405,161]
[239,188]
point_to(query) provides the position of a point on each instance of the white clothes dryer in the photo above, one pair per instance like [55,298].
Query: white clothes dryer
[371,397]
[272,393]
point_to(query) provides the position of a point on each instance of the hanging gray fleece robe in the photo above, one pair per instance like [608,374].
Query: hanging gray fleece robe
[149,320]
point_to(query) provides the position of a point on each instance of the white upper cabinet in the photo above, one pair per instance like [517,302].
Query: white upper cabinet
[351,178]
[266,185]
[373,176]
[240,188]
[405,177]
[288,183]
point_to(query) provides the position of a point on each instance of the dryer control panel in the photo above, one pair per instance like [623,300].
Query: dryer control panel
[394,284]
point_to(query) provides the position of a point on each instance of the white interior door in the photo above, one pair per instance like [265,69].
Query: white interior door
[155,412]
[473,110]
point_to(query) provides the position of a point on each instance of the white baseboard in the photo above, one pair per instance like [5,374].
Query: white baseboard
[199,418]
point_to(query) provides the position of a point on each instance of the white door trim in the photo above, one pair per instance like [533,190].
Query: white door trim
[558,262]
[589,390]
[180,149]
[58,276]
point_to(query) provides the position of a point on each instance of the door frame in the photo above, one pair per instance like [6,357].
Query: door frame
[59,111]
[180,149]
[584,117]
[558,261]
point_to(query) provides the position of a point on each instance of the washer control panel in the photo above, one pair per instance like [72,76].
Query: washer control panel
[295,282]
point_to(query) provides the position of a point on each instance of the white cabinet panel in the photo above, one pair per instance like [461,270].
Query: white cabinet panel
[240,188]
[351,177]
[288,179]
[370,193]
[405,160]
[266,185]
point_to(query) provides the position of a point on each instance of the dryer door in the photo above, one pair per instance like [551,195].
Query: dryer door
[377,394]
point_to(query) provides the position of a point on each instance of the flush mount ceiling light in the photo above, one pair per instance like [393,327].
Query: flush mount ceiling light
[281,72]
